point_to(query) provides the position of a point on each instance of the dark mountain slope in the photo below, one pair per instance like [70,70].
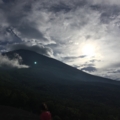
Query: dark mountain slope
[54,68]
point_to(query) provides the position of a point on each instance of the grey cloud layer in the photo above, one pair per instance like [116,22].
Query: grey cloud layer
[105,2]
[89,69]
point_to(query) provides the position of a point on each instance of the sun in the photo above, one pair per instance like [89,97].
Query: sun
[88,50]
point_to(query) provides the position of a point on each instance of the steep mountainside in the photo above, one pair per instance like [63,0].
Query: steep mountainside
[55,68]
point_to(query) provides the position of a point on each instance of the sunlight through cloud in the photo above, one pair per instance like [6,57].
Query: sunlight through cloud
[88,50]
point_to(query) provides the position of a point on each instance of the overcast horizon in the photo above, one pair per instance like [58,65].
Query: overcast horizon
[82,33]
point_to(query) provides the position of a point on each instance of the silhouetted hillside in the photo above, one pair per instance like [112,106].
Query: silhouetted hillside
[54,68]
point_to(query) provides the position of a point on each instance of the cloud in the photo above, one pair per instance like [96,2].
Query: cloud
[29,32]
[112,73]
[2,48]
[105,2]
[60,7]
[73,57]
[15,16]
[37,48]
[115,71]
[5,62]
[8,36]
[89,66]
[1,1]
[89,69]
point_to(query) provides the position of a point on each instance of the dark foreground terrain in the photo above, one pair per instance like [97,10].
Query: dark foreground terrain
[11,113]
[69,93]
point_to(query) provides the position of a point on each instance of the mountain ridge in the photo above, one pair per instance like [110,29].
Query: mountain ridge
[44,62]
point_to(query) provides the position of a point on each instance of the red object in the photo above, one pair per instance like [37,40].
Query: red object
[45,115]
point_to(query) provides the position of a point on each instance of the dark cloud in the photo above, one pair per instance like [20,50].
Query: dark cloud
[86,65]
[15,37]
[30,32]
[16,14]
[60,7]
[8,36]
[109,13]
[2,48]
[89,69]
[71,58]
[37,48]
[77,66]
[8,1]
[96,7]
[115,70]
[82,56]
[94,60]
[89,66]
[68,58]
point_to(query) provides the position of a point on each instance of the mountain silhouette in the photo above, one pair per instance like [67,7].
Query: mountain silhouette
[50,67]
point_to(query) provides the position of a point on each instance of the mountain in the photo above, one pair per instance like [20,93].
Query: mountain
[69,92]
[54,68]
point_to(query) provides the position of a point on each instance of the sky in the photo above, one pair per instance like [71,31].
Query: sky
[82,33]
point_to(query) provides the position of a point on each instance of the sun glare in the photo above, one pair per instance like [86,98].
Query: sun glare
[88,50]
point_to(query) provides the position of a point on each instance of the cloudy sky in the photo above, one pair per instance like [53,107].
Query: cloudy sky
[82,33]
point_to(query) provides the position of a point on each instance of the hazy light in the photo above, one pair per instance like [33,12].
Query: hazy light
[88,50]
